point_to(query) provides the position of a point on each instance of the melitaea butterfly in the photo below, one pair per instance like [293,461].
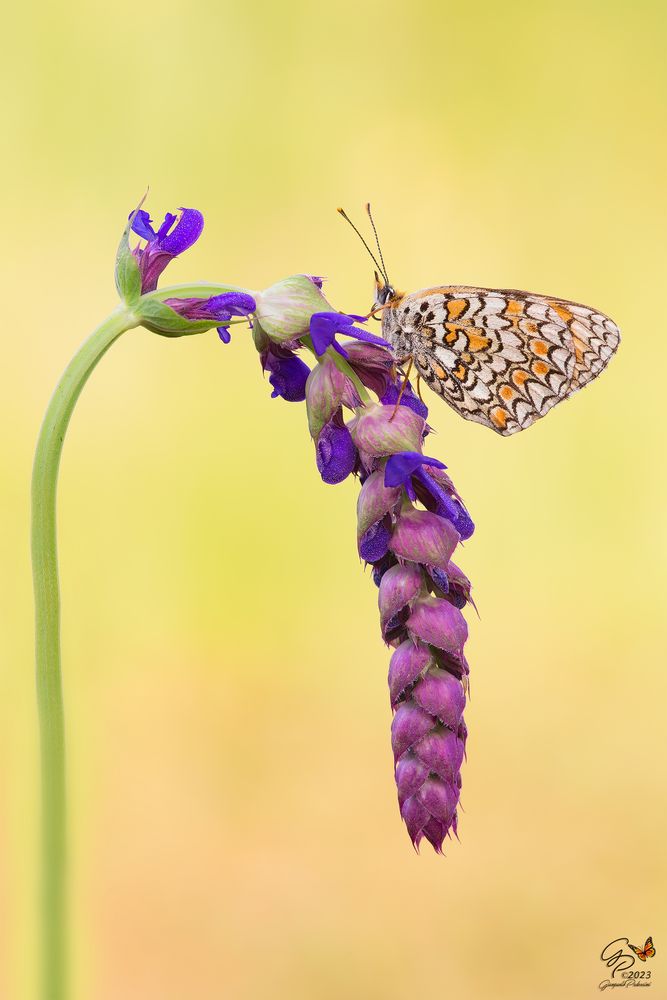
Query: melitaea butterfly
[500,357]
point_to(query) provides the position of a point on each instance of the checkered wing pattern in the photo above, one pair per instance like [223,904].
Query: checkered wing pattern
[500,357]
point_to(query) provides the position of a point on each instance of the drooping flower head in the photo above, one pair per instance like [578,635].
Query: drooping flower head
[410,520]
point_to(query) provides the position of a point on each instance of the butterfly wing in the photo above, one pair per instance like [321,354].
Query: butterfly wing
[503,357]
[648,947]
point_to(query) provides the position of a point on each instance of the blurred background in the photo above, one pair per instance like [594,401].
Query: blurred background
[234,825]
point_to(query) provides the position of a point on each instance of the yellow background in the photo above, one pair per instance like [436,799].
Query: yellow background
[234,824]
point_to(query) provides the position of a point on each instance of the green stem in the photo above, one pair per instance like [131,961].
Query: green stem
[47,649]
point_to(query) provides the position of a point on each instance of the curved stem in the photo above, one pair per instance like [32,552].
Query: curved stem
[47,649]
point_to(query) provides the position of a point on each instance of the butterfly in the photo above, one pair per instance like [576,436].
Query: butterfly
[500,357]
[648,951]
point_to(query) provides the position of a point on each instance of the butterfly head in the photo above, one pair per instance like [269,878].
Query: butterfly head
[384,292]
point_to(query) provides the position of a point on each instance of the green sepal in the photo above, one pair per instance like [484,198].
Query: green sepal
[260,339]
[161,318]
[128,275]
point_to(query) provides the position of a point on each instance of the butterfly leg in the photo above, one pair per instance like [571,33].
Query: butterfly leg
[402,389]
[419,388]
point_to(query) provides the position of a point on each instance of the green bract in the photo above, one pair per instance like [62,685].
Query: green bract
[128,276]
[162,319]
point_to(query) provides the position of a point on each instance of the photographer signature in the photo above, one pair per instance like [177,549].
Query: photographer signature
[620,956]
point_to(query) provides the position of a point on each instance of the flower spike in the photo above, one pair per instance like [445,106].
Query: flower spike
[409,521]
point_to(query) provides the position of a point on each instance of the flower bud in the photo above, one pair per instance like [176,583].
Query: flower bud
[459,586]
[438,623]
[324,393]
[423,537]
[442,752]
[374,365]
[399,587]
[415,816]
[409,724]
[375,500]
[383,430]
[440,798]
[441,694]
[407,662]
[284,309]
[411,774]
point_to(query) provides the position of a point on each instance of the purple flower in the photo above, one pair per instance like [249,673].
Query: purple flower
[336,455]
[373,364]
[407,469]
[324,326]
[401,467]
[409,547]
[218,309]
[174,236]
[408,398]
[288,375]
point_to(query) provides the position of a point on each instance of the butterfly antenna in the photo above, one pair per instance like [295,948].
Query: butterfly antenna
[372,255]
[370,216]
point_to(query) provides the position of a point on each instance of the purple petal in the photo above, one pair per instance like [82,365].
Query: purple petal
[325,325]
[169,220]
[400,467]
[338,347]
[232,303]
[365,336]
[440,578]
[289,373]
[142,225]
[374,543]
[336,455]
[445,505]
[409,399]
[187,231]
[322,331]
[224,334]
